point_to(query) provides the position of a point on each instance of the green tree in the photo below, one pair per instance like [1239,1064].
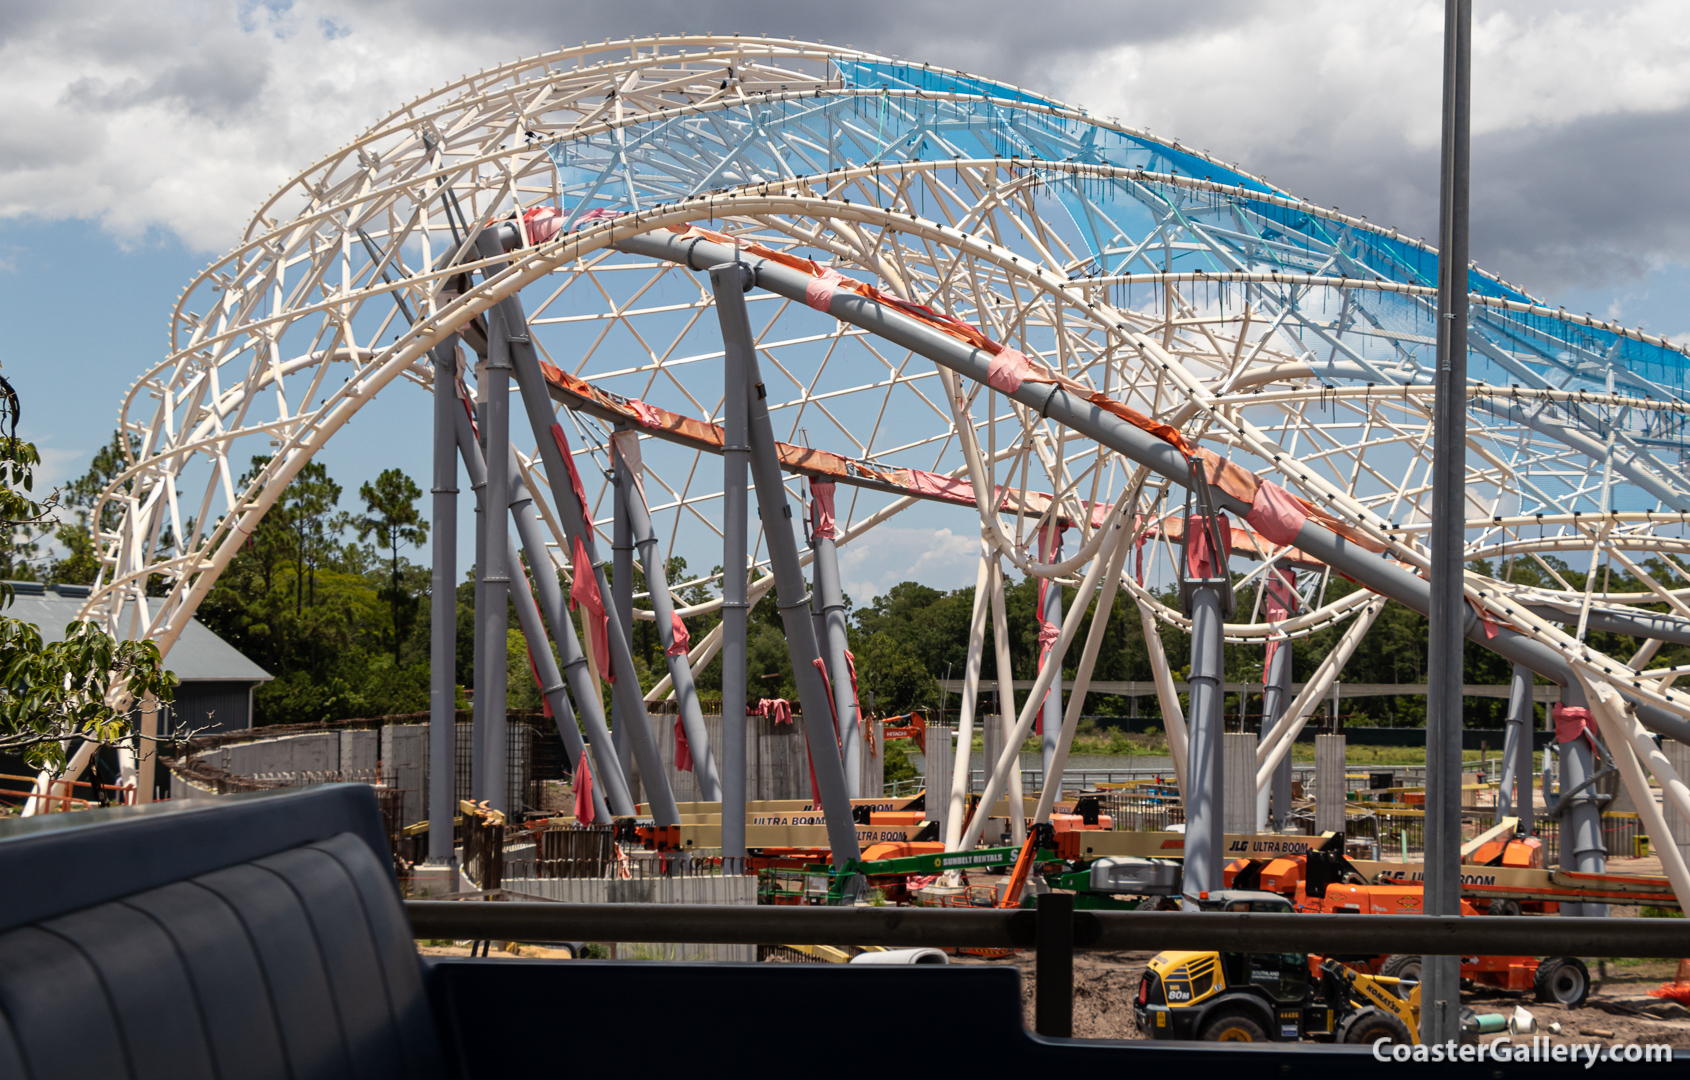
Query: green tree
[77,689]
[392,516]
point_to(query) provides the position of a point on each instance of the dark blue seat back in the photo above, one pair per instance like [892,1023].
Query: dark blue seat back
[251,936]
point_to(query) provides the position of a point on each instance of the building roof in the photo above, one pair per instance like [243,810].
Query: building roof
[198,655]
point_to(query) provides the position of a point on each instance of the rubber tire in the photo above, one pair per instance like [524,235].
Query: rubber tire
[1232,1025]
[1505,907]
[1563,980]
[1367,1026]
[1403,966]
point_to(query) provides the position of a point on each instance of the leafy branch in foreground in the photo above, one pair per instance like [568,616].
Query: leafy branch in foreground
[51,694]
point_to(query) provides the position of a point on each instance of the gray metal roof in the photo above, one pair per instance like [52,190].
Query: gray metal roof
[198,655]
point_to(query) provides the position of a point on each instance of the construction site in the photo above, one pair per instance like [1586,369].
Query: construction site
[655,285]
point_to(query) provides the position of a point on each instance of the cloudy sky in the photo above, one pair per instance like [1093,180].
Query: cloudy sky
[139,136]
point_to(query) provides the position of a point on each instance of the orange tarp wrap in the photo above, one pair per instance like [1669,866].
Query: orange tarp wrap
[1245,541]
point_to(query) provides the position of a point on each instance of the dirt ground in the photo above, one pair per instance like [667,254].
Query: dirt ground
[1619,1008]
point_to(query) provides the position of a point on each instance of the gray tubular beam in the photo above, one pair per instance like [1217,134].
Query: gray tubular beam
[1674,629]
[1275,697]
[622,586]
[736,457]
[527,525]
[728,285]
[1526,810]
[495,619]
[478,704]
[663,607]
[609,773]
[625,691]
[1204,834]
[1582,848]
[832,598]
[1051,721]
[1079,415]
[1519,728]
[443,607]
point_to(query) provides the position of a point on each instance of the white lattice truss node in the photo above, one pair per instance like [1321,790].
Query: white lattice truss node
[1291,340]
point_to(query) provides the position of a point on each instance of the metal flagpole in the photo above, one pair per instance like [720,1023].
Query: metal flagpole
[728,283]
[1441,993]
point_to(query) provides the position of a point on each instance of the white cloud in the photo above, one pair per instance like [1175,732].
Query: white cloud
[937,558]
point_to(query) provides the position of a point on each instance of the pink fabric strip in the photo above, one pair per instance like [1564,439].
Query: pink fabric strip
[583,784]
[1486,618]
[683,749]
[680,638]
[819,290]
[1202,562]
[927,483]
[562,441]
[648,415]
[1008,370]
[821,509]
[1572,722]
[1276,514]
[584,592]
[542,223]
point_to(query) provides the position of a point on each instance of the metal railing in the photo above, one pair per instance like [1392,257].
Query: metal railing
[1054,930]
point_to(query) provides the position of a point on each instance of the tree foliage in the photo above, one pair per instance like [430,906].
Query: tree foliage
[53,694]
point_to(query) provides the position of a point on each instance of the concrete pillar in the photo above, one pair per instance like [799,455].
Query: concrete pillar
[1239,769]
[1329,786]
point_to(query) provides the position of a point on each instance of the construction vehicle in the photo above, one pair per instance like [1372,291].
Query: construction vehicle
[1324,881]
[1277,997]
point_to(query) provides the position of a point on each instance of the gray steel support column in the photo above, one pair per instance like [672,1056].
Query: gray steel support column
[1276,697]
[443,608]
[544,591]
[478,703]
[1582,848]
[622,588]
[1440,1018]
[1521,714]
[609,773]
[728,283]
[736,460]
[1052,718]
[663,608]
[625,691]
[1526,808]
[832,639]
[1204,810]
[495,619]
